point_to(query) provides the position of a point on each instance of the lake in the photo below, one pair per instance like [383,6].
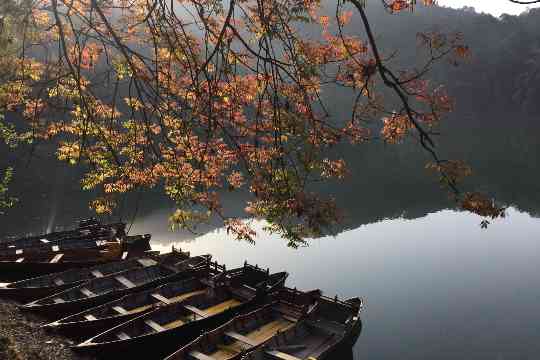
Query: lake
[437,287]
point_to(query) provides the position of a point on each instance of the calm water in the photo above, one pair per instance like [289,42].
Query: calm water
[437,287]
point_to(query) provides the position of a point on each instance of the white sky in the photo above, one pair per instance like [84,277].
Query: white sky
[494,7]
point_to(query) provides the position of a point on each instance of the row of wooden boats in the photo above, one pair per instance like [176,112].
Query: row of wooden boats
[179,306]
[91,243]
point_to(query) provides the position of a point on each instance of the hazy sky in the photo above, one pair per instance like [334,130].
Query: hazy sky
[495,7]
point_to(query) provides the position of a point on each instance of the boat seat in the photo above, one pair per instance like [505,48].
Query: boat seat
[59,281]
[56,258]
[87,293]
[161,298]
[59,300]
[154,325]
[125,281]
[19,260]
[123,336]
[241,338]
[147,262]
[90,317]
[195,310]
[200,356]
[120,310]
[19,251]
[97,273]
[281,355]
[290,318]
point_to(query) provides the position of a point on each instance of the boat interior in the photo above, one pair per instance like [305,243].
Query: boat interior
[196,307]
[118,281]
[313,336]
[142,301]
[234,338]
[77,275]
[112,251]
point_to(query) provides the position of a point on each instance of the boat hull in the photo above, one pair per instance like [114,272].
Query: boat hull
[165,342]
[60,310]
[14,271]
[26,294]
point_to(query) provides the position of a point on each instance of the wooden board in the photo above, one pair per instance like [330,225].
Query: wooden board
[185,296]
[279,355]
[174,324]
[125,281]
[221,307]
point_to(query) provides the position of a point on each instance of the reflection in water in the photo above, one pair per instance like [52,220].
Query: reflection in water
[436,287]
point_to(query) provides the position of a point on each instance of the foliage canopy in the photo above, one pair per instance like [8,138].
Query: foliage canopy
[198,97]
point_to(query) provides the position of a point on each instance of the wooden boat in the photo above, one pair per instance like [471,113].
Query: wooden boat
[42,286]
[168,326]
[95,320]
[246,332]
[82,224]
[330,327]
[79,245]
[88,232]
[101,290]
[37,263]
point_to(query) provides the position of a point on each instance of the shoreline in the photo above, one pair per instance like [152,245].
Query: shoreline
[22,338]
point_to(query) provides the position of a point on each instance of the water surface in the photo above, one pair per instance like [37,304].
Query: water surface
[437,287]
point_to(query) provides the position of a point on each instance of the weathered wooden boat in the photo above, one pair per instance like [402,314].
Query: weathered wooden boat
[90,232]
[95,320]
[82,224]
[331,326]
[79,245]
[42,286]
[246,332]
[171,325]
[101,290]
[32,263]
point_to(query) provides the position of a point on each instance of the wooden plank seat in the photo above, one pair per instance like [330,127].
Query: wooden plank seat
[161,298]
[281,355]
[120,310]
[56,258]
[241,338]
[154,325]
[200,356]
[147,262]
[123,336]
[125,281]
[88,293]
[174,324]
[290,318]
[97,273]
[185,296]
[196,311]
